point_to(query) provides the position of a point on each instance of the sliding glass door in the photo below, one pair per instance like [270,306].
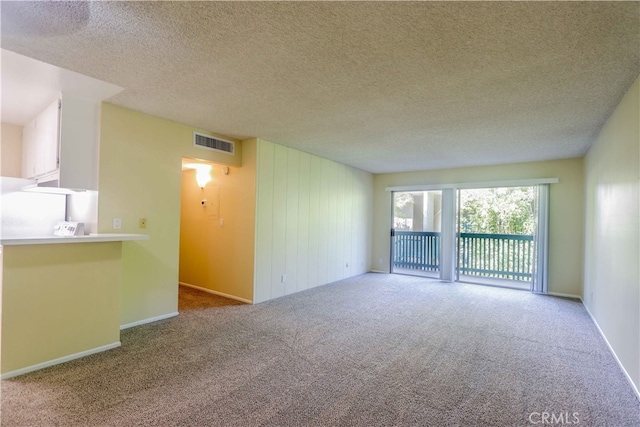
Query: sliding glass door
[416,233]
[495,236]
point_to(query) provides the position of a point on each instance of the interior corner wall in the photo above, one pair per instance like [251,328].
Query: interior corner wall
[313,221]
[217,229]
[140,177]
[612,228]
[566,216]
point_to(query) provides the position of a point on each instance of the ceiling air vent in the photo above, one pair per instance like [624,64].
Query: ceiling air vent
[210,143]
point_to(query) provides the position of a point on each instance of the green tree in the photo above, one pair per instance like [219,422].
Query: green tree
[509,210]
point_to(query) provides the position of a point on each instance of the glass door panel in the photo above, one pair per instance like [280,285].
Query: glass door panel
[416,233]
[496,229]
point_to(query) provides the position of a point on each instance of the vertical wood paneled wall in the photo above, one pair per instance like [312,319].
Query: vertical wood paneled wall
[313,221]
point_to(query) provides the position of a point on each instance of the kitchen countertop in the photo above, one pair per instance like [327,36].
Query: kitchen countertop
[90,238]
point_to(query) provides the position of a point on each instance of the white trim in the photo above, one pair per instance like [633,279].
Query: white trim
[615,356]
[59,360]
[209,291]
[559,294]
[425,187]
[484,184]
[149,320]
[379,271]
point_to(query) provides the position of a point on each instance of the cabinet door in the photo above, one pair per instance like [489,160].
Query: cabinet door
[41,143]
[48,125]
[79,130]
[29,150]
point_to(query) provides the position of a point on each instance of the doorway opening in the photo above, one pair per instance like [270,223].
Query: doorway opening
[216,215]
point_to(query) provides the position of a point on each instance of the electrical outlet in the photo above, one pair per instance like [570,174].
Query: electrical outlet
[142,223]
[117,223]
[283,278]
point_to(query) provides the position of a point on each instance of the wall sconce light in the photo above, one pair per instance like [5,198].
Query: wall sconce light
[203,173]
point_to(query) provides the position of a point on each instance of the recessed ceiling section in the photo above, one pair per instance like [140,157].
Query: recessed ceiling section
[382,86]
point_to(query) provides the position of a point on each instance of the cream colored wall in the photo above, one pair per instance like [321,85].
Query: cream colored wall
[565,211]
[612,241]
[11,150]
[140,177]
[216,256]
[313,221]
[58,300]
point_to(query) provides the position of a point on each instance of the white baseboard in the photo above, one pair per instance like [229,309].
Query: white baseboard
[59,360]
[379,271]
[615,356]
[149,320]
[558,294]
[209,291]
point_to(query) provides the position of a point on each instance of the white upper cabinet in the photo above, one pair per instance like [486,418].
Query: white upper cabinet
[49,134]
[60,145]
[79,142]
[29,149]
[60,148]
[40,145]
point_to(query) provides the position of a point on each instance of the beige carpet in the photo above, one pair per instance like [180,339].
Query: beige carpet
[371,350]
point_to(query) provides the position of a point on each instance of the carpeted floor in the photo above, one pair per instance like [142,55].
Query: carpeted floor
[374,350]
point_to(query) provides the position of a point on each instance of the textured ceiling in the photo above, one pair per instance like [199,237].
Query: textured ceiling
[382,86]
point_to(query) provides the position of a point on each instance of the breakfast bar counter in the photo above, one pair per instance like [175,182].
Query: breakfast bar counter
[89,238]
[60,298]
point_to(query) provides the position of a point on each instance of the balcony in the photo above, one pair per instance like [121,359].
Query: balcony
[503,259]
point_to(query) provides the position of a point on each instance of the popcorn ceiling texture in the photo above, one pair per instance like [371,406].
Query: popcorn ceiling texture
[382,86]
